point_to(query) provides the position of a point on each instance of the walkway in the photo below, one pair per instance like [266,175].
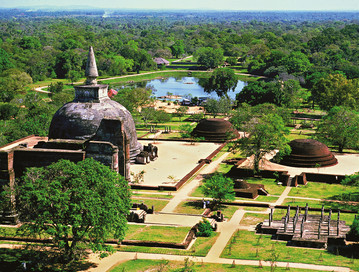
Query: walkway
[186,190]
[226,229]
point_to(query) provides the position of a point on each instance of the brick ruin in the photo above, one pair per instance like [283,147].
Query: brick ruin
[307,230]
[91,126]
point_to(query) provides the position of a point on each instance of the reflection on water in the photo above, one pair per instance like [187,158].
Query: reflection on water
[184,87]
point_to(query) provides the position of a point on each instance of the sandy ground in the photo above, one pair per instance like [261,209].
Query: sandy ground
[175,159]
[160,105]
[347,164]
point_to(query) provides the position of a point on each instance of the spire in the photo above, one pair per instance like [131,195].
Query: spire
[91,69]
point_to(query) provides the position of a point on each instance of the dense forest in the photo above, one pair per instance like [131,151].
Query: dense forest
[314,50]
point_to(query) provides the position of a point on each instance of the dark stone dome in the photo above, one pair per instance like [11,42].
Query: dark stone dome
[309,153]
[81,120]
[215,130]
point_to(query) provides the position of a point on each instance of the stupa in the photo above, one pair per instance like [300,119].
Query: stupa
[215,129]
[92,116]
[309,153]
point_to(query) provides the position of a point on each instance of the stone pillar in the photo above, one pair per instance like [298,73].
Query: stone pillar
[306,213]
[302,228]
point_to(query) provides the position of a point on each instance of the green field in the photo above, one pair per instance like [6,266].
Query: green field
[250,246]
[157,265]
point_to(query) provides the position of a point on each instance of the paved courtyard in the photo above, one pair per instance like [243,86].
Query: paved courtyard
[175,159]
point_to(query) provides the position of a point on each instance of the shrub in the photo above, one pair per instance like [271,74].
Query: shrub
[204,228]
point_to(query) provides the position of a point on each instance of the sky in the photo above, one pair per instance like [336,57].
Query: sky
[347,5]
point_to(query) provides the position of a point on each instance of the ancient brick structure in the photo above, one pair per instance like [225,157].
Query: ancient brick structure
[91,126]
[307,230]
[248,190]
[309,153]
[215,130]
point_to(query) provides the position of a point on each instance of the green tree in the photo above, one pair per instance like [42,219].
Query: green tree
[209,57]
[257,92]
[353,234]
[186,130]
[73,76]
[336,90]
[178,48]
[224,105]
[13,82]
[133,99]
[232,60]
[5,62]
[221,81]
[162,117]
[56,87]
[181,111]
[74,203]
[204,228]
[148,114]
[8,111]
[264,133]
[339,128]
[218,187]
[297,63]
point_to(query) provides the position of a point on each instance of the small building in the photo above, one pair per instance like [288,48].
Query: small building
[161,61]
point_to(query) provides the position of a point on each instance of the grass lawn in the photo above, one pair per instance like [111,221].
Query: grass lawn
[154,195]
[140,133]
[157,265]
[321,190]
[157,233]
[196,207]
[248,245]
[250,219]
[158,204]
[300,134]
[201,247]
[224,168]
[260,198]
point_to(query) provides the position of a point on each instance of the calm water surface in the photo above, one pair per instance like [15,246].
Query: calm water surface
[185,87]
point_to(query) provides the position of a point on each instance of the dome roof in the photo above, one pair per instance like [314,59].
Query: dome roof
[309,153]
[215,130]
[81,118]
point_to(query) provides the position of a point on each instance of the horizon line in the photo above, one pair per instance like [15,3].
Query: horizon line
[79,7]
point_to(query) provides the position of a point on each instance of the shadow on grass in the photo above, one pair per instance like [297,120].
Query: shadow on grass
[350,251]
[197,205]
[31,260]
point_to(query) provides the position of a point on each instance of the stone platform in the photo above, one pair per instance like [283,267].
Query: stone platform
[306,230]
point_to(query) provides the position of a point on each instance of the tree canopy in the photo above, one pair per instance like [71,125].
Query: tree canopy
[209,57]
[218,187]
[221,81]
[264,134]
[336,90]
[74,203]
[339,128]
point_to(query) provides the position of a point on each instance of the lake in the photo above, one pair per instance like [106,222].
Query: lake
[186,87]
